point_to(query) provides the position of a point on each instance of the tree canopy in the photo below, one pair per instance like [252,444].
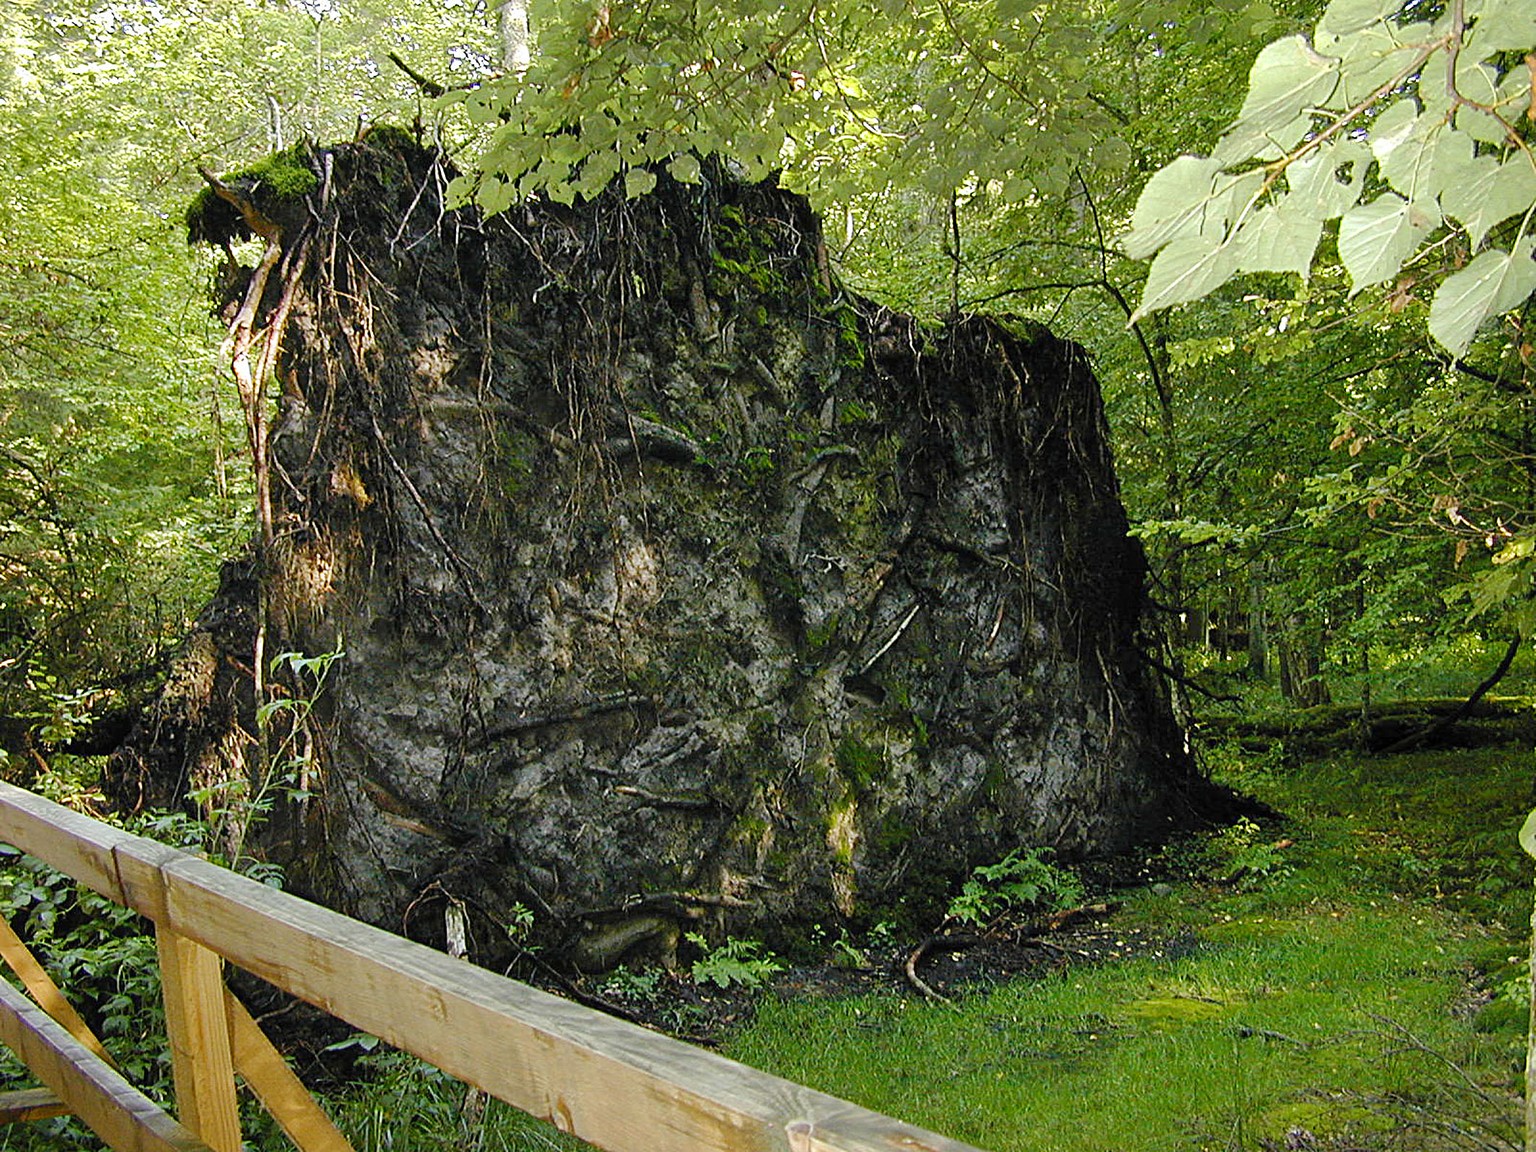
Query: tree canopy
[1251,212]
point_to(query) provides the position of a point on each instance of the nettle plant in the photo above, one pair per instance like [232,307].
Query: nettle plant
[1408,132]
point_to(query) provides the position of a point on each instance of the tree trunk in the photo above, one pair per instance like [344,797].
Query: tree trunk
[516,45]
[1301,664]
[1258,631]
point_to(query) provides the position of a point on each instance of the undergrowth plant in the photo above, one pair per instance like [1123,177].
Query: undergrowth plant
[235,806]
[734,963]
[1022,881]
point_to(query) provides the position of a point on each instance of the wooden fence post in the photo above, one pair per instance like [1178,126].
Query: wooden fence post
[192,980]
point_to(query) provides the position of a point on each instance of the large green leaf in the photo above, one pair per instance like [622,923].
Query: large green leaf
[1481,193]
[1288,80]
[1278,238]
[1376,238]
[1328,182]
[1173,203]
[1186,269]
[1502,26]
[1346,16]
[1493,283]
[1371,57]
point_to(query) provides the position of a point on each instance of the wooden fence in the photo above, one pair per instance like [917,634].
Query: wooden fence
[615,1085]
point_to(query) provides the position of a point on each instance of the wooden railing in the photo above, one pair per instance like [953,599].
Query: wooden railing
[618,1086]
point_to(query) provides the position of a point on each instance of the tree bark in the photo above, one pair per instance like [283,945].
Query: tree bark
[516,46]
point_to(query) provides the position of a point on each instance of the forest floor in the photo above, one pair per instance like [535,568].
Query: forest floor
[1346,976]
[1349,976]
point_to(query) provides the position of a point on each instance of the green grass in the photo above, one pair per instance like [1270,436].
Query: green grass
[1355,970]
[1331,984]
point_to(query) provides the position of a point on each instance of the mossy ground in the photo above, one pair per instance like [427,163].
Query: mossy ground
[1346,977]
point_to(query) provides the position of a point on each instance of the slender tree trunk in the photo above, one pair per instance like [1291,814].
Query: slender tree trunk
[516,51]
[1258,631]
[1530,1049]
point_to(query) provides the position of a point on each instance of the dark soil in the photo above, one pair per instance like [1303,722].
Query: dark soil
[951,965]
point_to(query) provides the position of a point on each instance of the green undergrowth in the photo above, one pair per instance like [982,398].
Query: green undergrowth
[1348,975]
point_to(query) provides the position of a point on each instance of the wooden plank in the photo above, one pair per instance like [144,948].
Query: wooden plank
[612,1083]
[117,1112]
[24,1104]
[281,1093]
[66,840]
[42,988]
[197,1025]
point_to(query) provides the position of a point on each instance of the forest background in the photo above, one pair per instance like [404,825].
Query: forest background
[1331,501]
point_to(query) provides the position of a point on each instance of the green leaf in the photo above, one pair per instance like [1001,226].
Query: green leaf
[1191,197]
[1492,284]
[1369,58]
[1376,238]
[685,168]
[1480,84]
[1278,238]
[1346,16]
[1502,26]
[1329,181]
[1186,269]
[495,195]
[638,182]
[1528,834]
[1287,82]
[1171,204]
[1482,193]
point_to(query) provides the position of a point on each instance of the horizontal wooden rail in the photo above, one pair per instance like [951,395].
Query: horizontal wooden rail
[609,1082]
[94,1091]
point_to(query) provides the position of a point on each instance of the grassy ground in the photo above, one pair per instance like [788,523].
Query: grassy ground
[1346,979]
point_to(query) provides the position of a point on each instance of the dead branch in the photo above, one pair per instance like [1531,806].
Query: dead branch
[910,968]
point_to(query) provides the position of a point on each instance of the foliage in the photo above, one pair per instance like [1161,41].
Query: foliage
[398,1103]
[734,963]
[1392,125]
[1023,881]
[102,955]
[234,806]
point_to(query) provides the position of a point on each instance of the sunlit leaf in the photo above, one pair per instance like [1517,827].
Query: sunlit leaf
[638,182]
[1528,834]
[1186,269]
[1278,238]
[1376,238]
[1346,16]
[1481,193]
[1328,182]
[1502,26]
[1287,82]
[1492,284]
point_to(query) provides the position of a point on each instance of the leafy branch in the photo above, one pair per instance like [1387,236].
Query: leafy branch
[1426,109]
